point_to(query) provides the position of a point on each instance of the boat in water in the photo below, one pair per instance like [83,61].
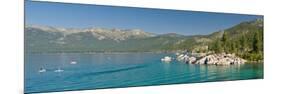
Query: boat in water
[59,70]
[166,59]
[73,62]
[42,70]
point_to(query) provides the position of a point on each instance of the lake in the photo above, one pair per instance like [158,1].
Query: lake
[114,70]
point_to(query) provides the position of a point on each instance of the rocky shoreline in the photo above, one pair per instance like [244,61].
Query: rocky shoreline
[209,59]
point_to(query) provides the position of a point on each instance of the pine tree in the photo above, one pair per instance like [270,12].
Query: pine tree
[224,40]
[256,42]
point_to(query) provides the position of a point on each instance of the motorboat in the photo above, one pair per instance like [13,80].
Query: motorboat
[73,62]
[59,70]
[166,59]
[42,70]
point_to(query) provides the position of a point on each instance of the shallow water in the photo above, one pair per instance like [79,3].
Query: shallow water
[94,71]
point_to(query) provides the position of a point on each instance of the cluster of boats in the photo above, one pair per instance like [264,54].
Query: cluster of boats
[41,70]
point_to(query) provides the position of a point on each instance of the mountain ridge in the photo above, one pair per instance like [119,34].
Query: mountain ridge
[100,33]
[50,39]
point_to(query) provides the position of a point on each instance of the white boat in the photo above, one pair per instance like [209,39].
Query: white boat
[42,70]
[73,62]
[59,70]
[166,59]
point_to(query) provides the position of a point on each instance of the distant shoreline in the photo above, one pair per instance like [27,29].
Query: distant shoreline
[101,52]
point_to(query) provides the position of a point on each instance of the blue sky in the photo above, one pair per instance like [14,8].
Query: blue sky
[150,20]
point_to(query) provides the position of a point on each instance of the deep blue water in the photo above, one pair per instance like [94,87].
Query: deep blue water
[94,71]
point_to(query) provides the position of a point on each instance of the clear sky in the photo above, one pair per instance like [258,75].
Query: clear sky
[150,20]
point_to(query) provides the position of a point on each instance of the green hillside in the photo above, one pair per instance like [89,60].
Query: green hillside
[244,39]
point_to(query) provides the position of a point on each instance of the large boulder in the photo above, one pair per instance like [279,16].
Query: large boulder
[182,57]
[220,59]
[191,60]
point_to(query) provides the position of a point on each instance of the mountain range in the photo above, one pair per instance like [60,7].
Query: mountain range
[44,39]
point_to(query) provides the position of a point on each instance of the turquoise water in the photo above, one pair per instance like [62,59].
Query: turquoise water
[94,71]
